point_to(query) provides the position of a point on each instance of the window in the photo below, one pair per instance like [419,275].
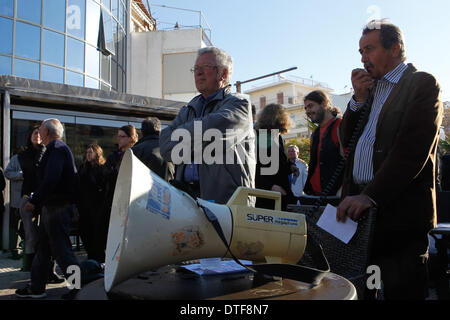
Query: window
[53,47]
[28,41]
[121,14]
[107,4]
[75,54]
[26,69]
[92,61]
[75,18]
[262,102]
[5,65]
[114,8]
[6,34]
[121,48]
[29,10]
[52,74]
[105,68]
[54,14]
[91,83]
[280,98]
[92,22]
[291,100]
[105,41]
[74,79]
[114,75]
[7,8]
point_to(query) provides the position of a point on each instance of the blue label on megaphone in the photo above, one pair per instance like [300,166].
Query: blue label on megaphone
[159,200]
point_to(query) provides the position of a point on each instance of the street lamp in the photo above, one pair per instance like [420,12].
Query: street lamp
[239,83]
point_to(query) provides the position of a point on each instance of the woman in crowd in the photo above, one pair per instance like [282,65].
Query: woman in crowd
[29,160]
[126,138]
[270,176]
[91,200]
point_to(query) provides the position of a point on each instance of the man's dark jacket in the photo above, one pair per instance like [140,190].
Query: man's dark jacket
[147,150]
[57,177]
[404,154]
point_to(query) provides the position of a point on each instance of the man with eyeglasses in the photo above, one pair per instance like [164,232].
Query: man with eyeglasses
[218,109]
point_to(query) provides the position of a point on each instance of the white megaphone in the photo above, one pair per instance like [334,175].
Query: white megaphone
[154,224]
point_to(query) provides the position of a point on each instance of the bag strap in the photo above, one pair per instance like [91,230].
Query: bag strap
[296,272]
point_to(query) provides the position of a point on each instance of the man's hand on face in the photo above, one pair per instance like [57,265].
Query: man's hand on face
[362,82]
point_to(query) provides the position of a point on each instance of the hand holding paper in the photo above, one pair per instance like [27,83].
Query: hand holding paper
[344,231]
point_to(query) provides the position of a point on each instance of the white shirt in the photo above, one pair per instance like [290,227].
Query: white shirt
[298,182]
[363,165]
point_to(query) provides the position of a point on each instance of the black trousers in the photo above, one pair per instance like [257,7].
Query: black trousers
[403,267]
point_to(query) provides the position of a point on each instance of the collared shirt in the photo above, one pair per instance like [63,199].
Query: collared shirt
[363,166]
[191,170]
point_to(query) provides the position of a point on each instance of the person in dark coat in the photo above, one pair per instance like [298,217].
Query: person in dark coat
[269,175]
[56,193]
[91,200]
[147,149]
[393,165]
[126,138]
[29,160]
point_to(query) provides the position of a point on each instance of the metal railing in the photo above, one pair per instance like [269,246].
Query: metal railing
[297,79]
[186,23]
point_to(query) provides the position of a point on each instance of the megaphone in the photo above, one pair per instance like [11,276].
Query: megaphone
[154,224]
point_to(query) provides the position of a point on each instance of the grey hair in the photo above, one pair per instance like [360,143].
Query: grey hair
[294,147]
[223,60]
[390,34]
[54,127]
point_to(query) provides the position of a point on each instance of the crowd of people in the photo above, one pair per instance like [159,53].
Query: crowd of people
[390,154]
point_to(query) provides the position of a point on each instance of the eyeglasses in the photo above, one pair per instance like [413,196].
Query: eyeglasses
[201,68]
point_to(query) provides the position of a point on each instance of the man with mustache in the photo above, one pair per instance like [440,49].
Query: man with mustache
[393,165]
[325,147]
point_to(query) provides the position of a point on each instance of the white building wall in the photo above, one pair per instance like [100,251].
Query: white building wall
[146,63]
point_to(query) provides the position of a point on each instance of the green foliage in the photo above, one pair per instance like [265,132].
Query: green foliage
[311,125]
[444,145]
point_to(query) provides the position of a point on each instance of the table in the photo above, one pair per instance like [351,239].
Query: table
[176,283]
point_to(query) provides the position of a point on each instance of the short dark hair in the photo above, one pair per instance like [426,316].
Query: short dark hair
[151,125]
[390,34]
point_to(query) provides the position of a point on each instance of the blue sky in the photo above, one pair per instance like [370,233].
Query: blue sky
[319,37]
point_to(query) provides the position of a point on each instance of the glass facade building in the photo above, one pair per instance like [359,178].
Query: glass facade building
[75,42]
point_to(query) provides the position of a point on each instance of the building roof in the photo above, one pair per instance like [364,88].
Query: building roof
[143,8]
[46,94]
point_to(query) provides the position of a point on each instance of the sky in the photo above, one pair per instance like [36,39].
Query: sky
[320,38]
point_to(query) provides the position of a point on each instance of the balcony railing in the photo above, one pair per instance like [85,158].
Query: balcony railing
[299,80]
[186,19]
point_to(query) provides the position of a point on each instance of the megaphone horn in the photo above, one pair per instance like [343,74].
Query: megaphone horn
[154,224]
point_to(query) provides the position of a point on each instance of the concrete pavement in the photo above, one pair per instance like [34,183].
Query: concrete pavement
[11,278]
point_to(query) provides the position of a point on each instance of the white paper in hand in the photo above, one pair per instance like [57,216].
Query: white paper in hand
[344,231]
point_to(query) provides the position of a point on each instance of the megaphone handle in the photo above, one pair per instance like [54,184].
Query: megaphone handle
[305,274]
[242,193]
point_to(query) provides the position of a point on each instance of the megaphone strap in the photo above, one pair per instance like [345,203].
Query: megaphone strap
[296,272]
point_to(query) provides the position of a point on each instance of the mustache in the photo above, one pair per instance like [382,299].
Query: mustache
[368,65]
